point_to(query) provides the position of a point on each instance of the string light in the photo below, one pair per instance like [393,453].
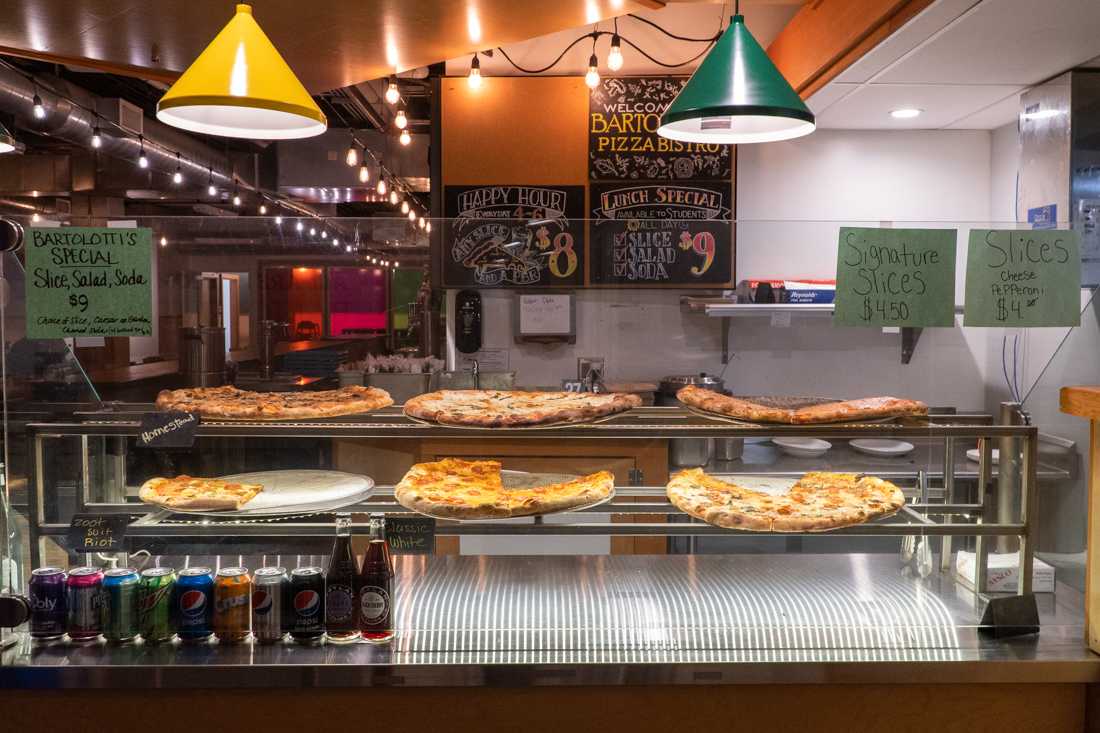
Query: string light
[143,162]
[592,76]
[324,234]
[163,241]
[278,221]
[348,248]
[97,139]
[364,172]
[381,187]
[615,55]
[412,215]
[421,223]
[400,120]
[39,110]
[394,198]
[236,195]
[312,232]
[35,217]
[177,177]
[299,226]
[352,156]
[404,207]
[263,209]
[396,263]
[392,93]
[210,189]
[474,77]
[404,138]
[427,226]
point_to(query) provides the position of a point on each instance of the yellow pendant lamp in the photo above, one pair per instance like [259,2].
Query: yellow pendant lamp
[241,87]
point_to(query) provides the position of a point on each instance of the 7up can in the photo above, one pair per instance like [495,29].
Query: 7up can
[155,604]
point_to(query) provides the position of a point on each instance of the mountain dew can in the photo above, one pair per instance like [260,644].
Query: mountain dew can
[155,604]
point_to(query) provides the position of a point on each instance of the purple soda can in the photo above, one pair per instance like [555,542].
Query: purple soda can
[47,593]
[84,603]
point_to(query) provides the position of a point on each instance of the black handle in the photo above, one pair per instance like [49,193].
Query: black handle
[14,610]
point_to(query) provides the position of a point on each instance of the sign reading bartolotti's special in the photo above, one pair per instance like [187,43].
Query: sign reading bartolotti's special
[658,233]
[84,281]
[513,236]
[623,144]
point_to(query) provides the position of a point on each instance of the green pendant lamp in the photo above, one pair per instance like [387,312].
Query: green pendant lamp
[736,96]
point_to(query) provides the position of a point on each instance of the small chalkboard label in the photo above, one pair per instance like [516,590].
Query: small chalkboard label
[97,532]
[410,535]
[168,429]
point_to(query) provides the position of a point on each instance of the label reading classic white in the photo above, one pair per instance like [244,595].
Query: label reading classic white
[373,604]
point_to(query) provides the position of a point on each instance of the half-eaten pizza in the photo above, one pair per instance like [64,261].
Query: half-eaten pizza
[186,492]
[867,408]
[499,409]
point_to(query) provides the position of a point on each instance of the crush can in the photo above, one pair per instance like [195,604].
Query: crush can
[232,605]
[83,603]
[307,614]
[120,604]
[155,604]
[193,604]
[270,604]
[47,594]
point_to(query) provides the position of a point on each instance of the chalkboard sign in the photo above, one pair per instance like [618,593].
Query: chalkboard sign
[623,144]
[171,429]
[895,277]
[408,535]
[651,234]
[513,236]
[97,532]
[1023,278]
[85,282]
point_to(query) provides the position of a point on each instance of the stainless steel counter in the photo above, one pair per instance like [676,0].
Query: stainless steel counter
[623,620]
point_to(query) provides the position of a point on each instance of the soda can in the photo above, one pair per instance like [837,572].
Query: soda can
[270,601]
[120,604]
[307,605]
[232,605]
[47,594]
[193,604]
[83,603]
[155,604]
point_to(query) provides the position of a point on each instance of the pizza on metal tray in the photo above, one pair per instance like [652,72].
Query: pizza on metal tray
[500,409]
[867,408]
[458,489]
[185,492]
[237,404]
[818,501]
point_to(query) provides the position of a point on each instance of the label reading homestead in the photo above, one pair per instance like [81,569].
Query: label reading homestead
[895,277]
[89,282]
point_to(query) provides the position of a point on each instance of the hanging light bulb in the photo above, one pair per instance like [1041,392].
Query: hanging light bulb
[299,226]
[592,76]
[392,93]
[97,139]
[163,241]
[404,138]
[324,234]
[278,221]
[35,217]
[352,156]
[615,55]
[335,242]
[210,189]
[143,162]
[364,172]
[421,223]
[236,195]
[474,77]
[404,207]
[381,187]
[427,226]
[39,110]
[177,177]
[396,263]
[412,215]
[349,248]
[263,209]
[394,198]
[313,231]
[400,120]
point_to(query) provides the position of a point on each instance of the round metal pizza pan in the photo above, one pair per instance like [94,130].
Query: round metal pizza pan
[527,480]
[548,426]
[295,492]
[737,421]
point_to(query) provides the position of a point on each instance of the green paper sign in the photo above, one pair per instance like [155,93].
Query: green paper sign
[85,281]
[1023,278]
[895,277]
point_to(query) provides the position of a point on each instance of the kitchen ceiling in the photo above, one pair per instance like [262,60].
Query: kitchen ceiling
[963,62]
[329,44]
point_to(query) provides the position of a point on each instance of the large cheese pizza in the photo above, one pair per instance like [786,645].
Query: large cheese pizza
[498,409]
[185,492]
[818,501]
[868,408]
[238,404]
[458,489]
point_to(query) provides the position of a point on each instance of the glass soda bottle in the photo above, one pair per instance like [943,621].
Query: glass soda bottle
[376,586]
[340,586]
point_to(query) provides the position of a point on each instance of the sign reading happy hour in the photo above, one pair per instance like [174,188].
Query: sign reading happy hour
[895,277]
[1023,278]
[84,281]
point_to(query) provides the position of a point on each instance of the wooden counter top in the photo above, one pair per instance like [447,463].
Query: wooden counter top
[1082,401]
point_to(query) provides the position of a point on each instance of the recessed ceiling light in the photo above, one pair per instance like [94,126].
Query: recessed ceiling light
[905,113]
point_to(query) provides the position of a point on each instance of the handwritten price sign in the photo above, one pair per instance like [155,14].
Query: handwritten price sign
[895,277]
[1023,278]
[85,281]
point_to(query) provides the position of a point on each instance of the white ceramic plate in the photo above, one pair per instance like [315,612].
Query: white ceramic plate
[803,447]
[881,446]
[296,492]
[973,455]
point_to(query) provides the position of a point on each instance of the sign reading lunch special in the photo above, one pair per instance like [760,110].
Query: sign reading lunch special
[84,281]
[895,277]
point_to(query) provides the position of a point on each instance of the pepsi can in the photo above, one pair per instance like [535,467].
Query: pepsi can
[270,601]
[307,605]
[120,604]
[83,603]
[193,604]
[47,593]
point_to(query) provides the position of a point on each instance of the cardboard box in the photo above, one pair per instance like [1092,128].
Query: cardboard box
[1003,575]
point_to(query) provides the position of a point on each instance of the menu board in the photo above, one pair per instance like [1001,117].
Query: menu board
[513,236]
[88,282]
[656,233]
[623,116]
[1023,278]
[895,277]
